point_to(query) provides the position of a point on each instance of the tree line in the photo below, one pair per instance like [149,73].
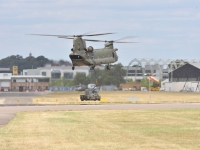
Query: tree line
[28,62]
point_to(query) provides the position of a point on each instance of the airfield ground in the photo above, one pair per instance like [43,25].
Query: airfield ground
[123,120]
[120,97]
[99,129]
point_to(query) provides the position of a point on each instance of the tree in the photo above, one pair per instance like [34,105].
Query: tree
[81,78]
[157,84]
[130,81]
[52,82]
[117,74]
[96,76]
[70,82]
[145,82]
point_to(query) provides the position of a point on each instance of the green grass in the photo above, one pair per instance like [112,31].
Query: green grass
[110,129]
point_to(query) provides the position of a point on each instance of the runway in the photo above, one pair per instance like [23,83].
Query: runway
[8,112]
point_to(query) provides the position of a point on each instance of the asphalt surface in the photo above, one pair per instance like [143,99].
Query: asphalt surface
[14,98]
[8,110]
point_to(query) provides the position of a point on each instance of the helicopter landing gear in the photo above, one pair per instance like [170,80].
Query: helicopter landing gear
[92,67]
[73,67]
[107,67]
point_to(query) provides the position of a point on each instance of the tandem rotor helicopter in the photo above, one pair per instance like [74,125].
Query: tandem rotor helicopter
[83,56]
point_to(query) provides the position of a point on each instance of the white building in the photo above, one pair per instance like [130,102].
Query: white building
[137,73]
[57,72]
[5,79]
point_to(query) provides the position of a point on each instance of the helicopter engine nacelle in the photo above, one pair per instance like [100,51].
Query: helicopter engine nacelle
[90,49]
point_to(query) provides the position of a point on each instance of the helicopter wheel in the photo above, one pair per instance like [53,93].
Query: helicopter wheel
[73,68]
[108,67]
[92,67]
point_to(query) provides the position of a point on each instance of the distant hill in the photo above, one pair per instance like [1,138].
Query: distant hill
[29,62]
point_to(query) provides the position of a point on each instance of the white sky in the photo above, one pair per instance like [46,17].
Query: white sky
[164,29]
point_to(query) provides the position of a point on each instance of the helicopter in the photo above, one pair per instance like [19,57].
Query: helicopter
[83,56]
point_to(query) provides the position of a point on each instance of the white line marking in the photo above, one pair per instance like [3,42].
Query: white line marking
[2,101]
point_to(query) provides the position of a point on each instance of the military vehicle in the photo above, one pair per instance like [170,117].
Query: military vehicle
[83,56]
[91,94]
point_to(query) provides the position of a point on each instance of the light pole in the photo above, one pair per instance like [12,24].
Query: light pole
[149,77]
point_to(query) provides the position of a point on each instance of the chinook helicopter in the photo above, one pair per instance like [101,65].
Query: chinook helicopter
[83,56]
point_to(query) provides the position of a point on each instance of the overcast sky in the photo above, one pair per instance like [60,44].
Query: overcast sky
[164,29]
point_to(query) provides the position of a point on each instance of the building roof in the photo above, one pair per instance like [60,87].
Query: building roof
[28,76]
[4,69]
[197,65]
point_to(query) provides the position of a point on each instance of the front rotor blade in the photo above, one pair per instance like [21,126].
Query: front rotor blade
[71,35]
[52,35]
[90,32]
[65,37]
[97,34]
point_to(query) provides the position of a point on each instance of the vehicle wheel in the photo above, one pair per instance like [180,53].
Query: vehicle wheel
[73,68]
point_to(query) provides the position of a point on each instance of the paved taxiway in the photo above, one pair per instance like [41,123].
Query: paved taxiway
[8,112]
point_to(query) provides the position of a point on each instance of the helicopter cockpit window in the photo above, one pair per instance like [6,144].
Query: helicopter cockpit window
[75,57]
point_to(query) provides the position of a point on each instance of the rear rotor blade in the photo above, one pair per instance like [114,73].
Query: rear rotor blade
[125,38]
[125,42]
[94,40]
[118,41]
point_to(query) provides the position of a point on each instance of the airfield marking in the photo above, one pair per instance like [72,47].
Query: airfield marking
[2,101]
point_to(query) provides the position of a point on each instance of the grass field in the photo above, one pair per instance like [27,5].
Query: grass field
[120,97]
[112,130]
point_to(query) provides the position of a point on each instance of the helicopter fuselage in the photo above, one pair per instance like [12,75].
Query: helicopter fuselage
[96,57]
[82,56]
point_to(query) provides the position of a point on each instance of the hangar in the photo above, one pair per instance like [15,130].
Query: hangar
[185,78]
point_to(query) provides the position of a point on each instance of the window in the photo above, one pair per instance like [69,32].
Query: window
[44,74]
[68,75]
[55,75]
